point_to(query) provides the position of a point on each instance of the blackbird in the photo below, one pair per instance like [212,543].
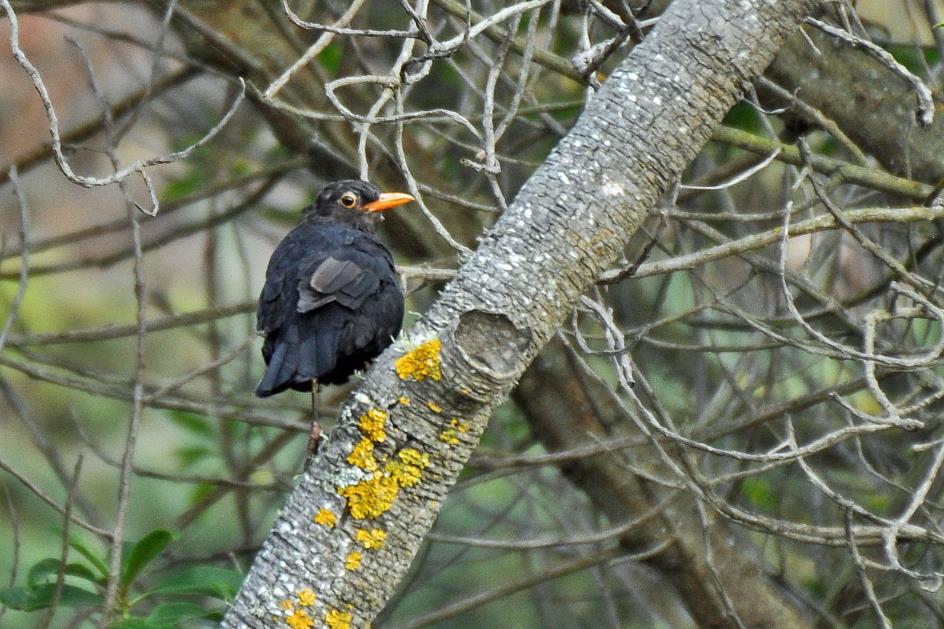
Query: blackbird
[331,300]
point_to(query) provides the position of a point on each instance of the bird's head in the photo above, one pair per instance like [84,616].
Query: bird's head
[356,202]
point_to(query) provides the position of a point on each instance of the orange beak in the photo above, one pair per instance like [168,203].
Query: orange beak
[386,201]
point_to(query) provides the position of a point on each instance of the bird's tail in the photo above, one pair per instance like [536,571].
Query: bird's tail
[274,380]
[296,364]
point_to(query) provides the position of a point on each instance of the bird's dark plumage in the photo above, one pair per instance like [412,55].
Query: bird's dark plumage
[331,300]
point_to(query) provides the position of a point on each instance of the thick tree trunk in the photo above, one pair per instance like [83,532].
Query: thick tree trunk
[880,121]
[353,524]
[564,416]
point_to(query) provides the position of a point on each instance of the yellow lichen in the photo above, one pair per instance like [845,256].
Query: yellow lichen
[353,560]
[436,408]
[412,456]
[362,455]
[421,362]
[372,497]
[325,518]
[306,598]
[287,604]
[336,619]
[300,620]
[404,400]
[371,539]
[460,424]
[401,476]
[408,470]
[372,424]
[449,436]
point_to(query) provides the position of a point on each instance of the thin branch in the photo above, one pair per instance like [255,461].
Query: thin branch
[848,173]
[64,551]
[107,535]
[15,532]
[87,129]
[24,259]
[487,596]
[760,240]
[120,174]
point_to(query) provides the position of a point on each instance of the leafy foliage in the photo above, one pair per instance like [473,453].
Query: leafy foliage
[169,601]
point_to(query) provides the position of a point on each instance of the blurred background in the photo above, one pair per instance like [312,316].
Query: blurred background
[131,336]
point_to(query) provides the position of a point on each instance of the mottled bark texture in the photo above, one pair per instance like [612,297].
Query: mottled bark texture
[406,433]
[840,81]
[578,410]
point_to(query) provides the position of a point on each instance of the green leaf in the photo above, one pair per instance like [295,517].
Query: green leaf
[202,580]
[183,186]
[50,566]
[147,548]
[743,116]
[172,614]
[168,615]
[40,596]
[83,549]
[189,455]
[240,168]
[135,622]
[198,492]
[191,422]
[759,492]
[330,57]
[41,569]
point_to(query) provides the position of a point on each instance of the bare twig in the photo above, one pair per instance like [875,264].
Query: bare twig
[24,259]
[15,533]
[64,552]
[52,503]
[120,174]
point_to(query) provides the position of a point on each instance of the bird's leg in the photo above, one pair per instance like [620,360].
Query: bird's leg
[315,436]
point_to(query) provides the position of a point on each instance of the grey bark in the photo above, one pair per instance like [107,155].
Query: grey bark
[841,82]
[568,222]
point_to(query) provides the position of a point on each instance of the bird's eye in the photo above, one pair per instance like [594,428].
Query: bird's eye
[348,199]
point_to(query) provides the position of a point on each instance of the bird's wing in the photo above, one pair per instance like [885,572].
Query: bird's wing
[345,276]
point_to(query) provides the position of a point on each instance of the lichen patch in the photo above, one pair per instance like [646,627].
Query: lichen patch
[353,560]
[409,468]
[412,456]
[372,497]
[421,362]
[336,619]
[436,408]
[325,518]
[371,539]
[306,598]
[362,455]
[372,424]
[450,437]
[300,620]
